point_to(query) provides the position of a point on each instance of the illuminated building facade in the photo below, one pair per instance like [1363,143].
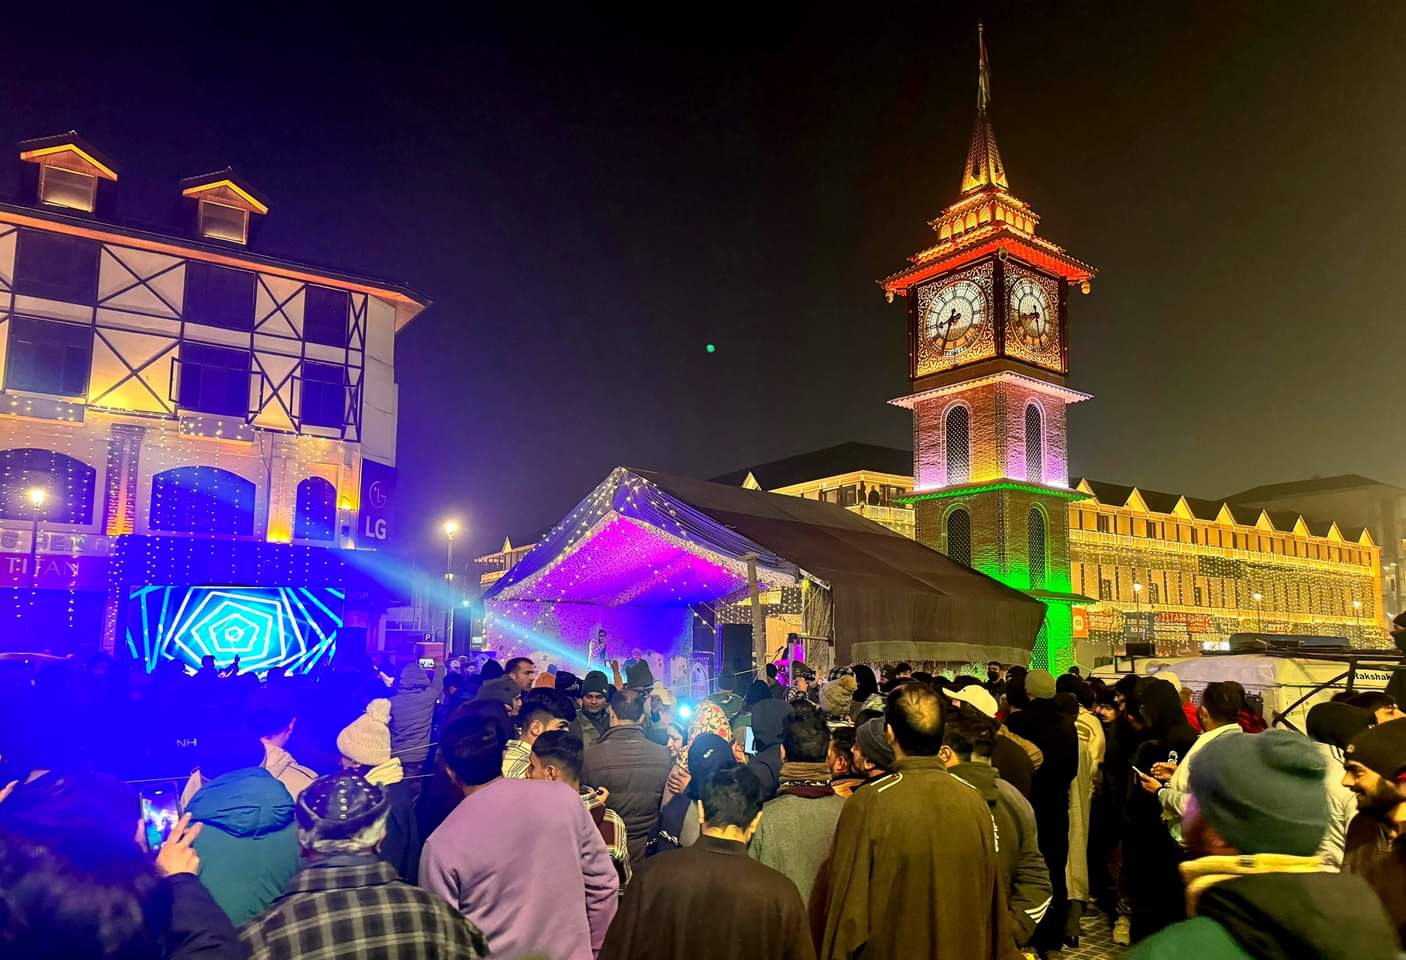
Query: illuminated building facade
[988,355]
[1183,574]
[1353,500]
[181,413]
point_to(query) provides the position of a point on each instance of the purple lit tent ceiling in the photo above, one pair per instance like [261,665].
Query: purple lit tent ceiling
[653,539]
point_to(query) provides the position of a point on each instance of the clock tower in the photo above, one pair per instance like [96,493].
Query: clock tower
[987,355]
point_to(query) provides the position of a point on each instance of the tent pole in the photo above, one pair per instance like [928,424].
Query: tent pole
[758,621]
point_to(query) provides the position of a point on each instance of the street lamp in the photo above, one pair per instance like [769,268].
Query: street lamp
[450,527]
[1259,611]
[37,497]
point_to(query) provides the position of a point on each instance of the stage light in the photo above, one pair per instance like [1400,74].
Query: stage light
[37,496]
[685,711]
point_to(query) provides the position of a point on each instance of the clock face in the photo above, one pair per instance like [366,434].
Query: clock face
[954,318]
[1034,320]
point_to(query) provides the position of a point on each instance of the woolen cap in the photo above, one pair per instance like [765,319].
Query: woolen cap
[1336,723]
[1263,792]
[367,739]
[1040,685]
[1381,748]
[873,744]
[639,675]
[504,690]
[595,682]
[340,805]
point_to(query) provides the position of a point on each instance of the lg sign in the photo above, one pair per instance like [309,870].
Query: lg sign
[377,489]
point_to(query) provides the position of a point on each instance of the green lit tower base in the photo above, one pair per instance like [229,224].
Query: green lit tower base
[988,354]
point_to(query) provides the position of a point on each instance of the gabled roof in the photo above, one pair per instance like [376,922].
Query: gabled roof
[829,462]
[226,186]
[1298,488]
[68,150]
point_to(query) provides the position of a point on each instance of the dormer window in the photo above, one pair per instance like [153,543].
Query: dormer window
[219,222]
[66,188]
[224,204]
[69,171]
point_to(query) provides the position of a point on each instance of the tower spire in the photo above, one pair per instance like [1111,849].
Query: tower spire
[984,167]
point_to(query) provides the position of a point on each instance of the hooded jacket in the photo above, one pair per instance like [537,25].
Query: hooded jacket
[248,844]
[293,775]
[768,719]
[1267,915]
[412,711]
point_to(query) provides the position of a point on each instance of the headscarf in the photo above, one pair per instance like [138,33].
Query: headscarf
[708,717]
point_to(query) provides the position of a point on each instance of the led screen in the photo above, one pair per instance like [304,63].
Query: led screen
[288,629]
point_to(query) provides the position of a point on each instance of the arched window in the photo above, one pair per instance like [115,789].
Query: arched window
[1035,538]
[316,511]
[959,536]
[202,500]
[1034,445]
[956,434]
[67,483]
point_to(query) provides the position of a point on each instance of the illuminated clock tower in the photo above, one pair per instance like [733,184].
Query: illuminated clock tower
[987,354]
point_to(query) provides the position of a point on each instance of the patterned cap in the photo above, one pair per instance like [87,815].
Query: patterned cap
[340,805]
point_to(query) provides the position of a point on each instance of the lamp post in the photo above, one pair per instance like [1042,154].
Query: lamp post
[37,497]
[1137,606]
[1259,612]
[1357,610]
[451,527]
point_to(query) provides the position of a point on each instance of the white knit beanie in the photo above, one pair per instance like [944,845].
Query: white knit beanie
[367,739]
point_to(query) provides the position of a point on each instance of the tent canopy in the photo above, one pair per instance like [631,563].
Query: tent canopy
[652,538]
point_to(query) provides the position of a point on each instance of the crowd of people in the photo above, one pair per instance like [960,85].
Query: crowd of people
[425,811]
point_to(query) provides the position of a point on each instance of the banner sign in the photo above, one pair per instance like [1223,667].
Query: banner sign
[377,492]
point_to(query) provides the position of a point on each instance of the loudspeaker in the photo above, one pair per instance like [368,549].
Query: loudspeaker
[736,653]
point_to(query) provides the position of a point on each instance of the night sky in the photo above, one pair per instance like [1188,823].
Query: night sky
[590,202]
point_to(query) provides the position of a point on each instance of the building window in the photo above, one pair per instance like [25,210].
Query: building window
[213,380]
[316,511]
[1034,445]
[1197,595]
[1035,540]
[67,188]
[959,536]
[69,484]
[1105,589]
[325,316]
[219,297]
[1105,523]
[956,433]
[324,402]
[56,267]
[202,500]
[220,222]
[46,356]
[1152,595]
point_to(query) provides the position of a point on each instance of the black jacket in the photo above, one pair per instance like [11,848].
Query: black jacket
[1287,916]
[199,929]
[634,770]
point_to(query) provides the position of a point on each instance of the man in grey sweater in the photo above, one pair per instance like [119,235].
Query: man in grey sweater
[798,827]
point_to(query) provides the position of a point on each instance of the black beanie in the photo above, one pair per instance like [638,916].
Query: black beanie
[595,682]
[1381,748]
[1337,723]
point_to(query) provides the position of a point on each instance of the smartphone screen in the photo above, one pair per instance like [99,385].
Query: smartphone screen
[427,663]
[747,746]
[159,814]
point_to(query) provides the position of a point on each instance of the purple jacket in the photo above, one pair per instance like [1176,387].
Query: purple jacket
[523,860]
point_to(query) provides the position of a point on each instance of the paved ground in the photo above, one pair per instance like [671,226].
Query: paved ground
[1096,942]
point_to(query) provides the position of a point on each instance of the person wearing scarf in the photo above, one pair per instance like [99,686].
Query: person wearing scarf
[798,827]
[365,746]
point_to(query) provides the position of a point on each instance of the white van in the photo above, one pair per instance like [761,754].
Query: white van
[1278,680]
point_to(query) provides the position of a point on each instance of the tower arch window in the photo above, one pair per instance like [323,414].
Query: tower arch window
[956,432]
[1037,554]
[1034,444]
[315,514]
[202,500]
[959,536]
